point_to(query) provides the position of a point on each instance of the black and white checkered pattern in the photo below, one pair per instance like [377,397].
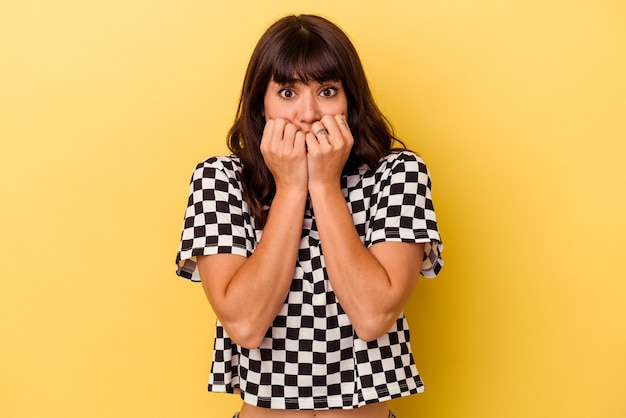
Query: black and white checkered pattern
[391,415]
[311,358]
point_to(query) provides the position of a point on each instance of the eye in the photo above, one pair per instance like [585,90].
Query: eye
[286,93]
[328,92]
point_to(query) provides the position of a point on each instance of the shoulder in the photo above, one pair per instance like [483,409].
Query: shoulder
[223,163]
[405,157]
[399,162]
[219,166]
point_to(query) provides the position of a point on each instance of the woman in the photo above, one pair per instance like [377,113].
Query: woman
[308,240]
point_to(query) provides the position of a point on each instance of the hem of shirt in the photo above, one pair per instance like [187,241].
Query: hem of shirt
[186,257]
[398,235]
[363,397]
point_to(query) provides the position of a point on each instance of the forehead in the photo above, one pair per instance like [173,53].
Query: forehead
[298,81]
[304,66]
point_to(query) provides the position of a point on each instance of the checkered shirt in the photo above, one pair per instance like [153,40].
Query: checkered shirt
[311,357]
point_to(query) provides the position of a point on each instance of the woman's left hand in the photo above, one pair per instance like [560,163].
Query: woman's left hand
[328,148]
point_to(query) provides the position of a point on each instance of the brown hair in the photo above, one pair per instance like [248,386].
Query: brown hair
[303,48]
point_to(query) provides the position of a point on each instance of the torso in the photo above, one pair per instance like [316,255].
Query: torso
[376,410]
[343,373]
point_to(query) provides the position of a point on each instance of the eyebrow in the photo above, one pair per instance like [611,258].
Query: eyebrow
[295,80]
[289,81]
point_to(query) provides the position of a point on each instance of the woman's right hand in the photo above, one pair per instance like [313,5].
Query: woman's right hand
[247,293]
[283,148]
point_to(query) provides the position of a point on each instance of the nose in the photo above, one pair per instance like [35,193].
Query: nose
[309,111]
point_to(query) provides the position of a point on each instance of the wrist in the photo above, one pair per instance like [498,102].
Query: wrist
[291,193]
[324,189]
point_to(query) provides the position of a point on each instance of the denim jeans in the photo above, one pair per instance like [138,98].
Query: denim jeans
[391,415]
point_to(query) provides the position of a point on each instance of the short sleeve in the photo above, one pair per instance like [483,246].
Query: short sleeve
[404,210]
[215,219]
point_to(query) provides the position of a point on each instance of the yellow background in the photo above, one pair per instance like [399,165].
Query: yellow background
[518,107]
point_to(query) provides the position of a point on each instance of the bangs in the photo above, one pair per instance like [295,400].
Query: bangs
[303,58]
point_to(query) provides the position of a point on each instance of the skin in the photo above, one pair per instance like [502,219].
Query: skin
[372,285]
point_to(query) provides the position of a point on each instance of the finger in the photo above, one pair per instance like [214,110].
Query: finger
[344,128]
[333,133]
[299,142]
[312,143]
[267,134]
[342,122]
[318,129]
[289,134]
[321,132]
[268,128]
[337,123]
[279,129]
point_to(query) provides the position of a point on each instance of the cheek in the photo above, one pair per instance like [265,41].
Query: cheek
[281,113]
[269,108]
[273,110]
[340,109]
[342,106]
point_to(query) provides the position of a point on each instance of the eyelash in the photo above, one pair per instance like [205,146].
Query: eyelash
[282,92]
[333,91]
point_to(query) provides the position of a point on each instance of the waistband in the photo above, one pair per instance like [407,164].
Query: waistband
[391,415]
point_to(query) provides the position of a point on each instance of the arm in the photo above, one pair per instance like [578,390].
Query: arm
[372,285]
[247,293]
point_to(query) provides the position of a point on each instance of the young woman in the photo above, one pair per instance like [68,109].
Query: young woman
[309,238]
